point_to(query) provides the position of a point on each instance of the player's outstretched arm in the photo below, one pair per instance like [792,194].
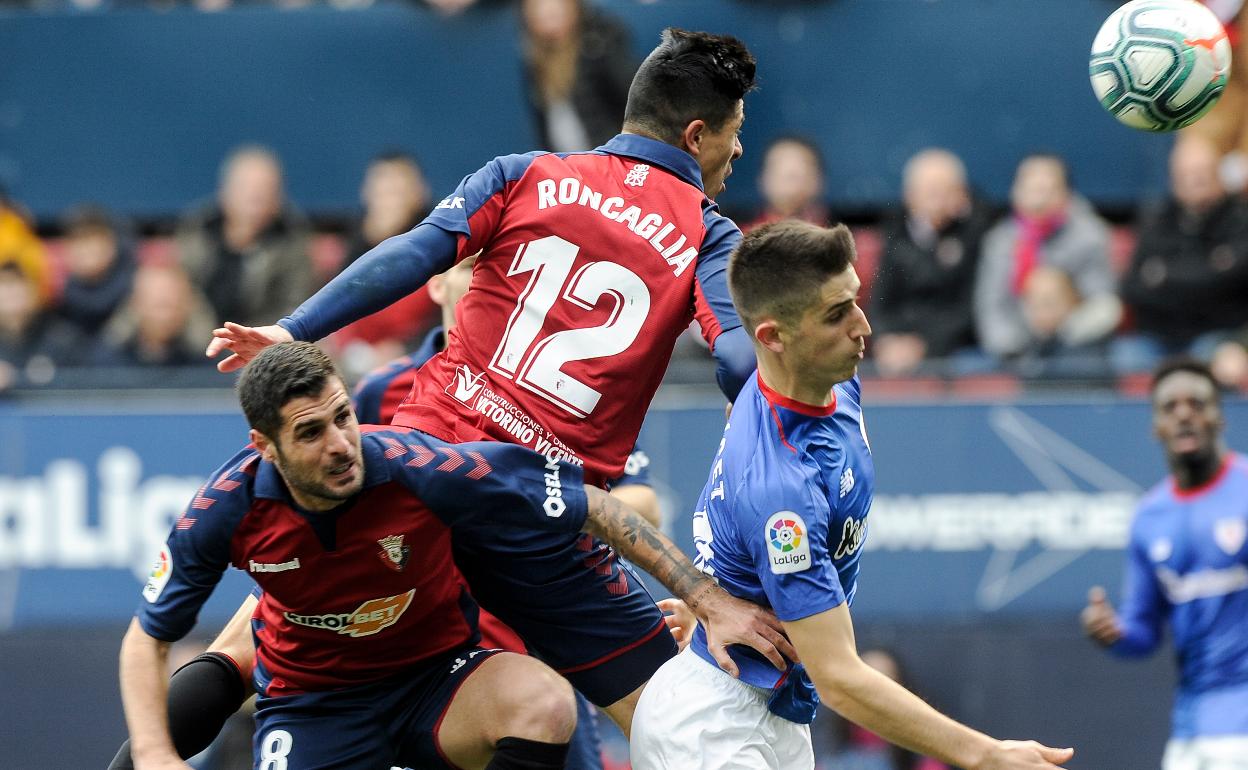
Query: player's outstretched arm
[1099,620]
[243,342]
[868,698]
[143,694]
[728,620]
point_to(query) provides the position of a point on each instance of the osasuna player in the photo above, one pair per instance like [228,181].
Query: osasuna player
[589,266]
[1187,568]
[207,690]
[366,638]
[781,522]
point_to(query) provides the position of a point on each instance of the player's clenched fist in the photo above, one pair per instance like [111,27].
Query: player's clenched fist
[1100,622]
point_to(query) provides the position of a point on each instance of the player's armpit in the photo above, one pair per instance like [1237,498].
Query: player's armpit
[727,619]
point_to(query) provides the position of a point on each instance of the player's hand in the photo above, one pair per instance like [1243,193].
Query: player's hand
[1023,755]
[243,342]
[1100,622]
[729,620]
[680,621]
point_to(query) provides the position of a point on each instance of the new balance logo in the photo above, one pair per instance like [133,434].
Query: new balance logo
[466,385]
[847,481]
[636,175]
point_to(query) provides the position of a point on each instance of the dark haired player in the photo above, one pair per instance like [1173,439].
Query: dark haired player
[1187,567]
[589,266]
[366,638]
[781,522]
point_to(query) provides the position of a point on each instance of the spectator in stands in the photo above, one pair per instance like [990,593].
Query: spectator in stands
[1188,279]
[248,252]
[1050,226]
[20,245]
[1049,300]
[163,323]
[396,198]
[33,341]
[921,305]
[579,64]
[99,266]
[791,183]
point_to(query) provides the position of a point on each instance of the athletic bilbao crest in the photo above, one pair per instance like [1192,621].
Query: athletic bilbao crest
[393,552]
[1229,535]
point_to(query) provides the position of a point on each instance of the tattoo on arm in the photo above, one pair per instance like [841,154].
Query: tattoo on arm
[648,548]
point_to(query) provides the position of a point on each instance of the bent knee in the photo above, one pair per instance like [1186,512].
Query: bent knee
[539,705]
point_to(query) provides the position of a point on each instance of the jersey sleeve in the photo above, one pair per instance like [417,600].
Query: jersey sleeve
[784,524]
[194,557]
[1144,606]
[474,209]
[636,470]
[491,482]
[713,308]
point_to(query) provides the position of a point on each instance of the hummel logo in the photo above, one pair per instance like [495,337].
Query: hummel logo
[847,481]
[466,384]
[636,175]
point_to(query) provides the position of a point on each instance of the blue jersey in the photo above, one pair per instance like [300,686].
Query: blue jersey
[368,589]
[782,518]
[1187,565]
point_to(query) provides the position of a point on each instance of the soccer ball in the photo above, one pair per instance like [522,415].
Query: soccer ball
[1158,65]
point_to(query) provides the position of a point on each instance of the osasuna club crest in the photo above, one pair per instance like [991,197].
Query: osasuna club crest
[393,552]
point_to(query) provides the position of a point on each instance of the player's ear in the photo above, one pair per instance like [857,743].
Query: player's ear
[262,443]
[692,137]
[437,289]
[768,335]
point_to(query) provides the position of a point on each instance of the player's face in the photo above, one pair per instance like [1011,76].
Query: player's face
[718,149]
[318,451]
[1186,417]
[829,341]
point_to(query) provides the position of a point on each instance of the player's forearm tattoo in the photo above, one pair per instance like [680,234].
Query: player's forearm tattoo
[647,547]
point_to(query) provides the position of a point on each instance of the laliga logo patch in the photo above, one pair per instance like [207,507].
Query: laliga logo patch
[393,553]
[788,547]
[466,385]
[162,568]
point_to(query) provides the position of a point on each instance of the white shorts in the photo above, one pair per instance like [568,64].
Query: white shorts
[1215,752]
[693,716]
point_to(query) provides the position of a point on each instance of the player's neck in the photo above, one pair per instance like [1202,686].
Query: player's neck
[790,384]
[1197,472]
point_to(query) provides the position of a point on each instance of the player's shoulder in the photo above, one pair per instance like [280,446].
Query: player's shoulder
[228,493]
[515,165]
[768,470]
[719,228]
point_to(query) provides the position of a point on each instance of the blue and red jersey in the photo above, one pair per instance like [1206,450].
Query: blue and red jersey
[589,266]
[379,394]
[1187,566]
[783,514]
[368,589]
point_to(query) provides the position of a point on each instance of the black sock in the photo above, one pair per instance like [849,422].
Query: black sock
[521,754]
[202,696]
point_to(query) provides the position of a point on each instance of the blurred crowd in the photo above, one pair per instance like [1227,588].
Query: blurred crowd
[957,289]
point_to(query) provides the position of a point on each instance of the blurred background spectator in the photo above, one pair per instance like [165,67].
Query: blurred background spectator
[921,303]
[164,323]
[396,198]
[248,251]
[578,65]
[791,183]
[1050,226]
[33,341]
[20,246]
[99,269]
[1187,284]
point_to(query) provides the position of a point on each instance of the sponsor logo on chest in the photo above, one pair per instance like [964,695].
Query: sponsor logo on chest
[367,619]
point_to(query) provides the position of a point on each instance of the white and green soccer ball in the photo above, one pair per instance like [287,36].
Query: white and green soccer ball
[1158,65]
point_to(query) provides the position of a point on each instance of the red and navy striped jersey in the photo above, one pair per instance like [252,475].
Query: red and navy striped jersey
[589,267]
[361,592]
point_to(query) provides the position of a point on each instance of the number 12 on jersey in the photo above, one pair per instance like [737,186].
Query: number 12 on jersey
[537,364]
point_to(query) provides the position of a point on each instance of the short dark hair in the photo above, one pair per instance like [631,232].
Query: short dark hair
[395,156]
[278,375]
[690,76]
[1184,364]
[1048,156]
[805,142]
[89,218]
[777,270]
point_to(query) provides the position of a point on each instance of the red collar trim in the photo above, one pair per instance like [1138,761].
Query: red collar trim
[810,410]
[1188,494]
